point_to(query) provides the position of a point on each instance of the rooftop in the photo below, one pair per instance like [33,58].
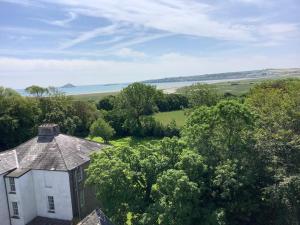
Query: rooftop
[8,161]
[97,217]
[47,221]
[50,151]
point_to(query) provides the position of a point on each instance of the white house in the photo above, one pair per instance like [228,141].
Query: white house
[43,180]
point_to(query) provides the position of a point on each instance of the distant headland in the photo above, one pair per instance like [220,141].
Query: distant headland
[69,85]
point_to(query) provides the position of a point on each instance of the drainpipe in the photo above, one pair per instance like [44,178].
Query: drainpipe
[6,194]
[77,193]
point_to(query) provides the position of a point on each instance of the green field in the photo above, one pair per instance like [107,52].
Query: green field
[166,117]
[236,87]
[92,97]
[127,141]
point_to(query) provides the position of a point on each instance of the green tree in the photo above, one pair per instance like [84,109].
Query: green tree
[224,136]
[107,103]
[36,91]
[18,118]
[102,129]
[278,105]
[135,101]
[200,95]
[124,177]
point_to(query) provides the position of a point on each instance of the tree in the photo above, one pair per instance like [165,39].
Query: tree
[107,103]
[135,101]
[36,91]
[102,129]
[278,105]
[170,102]
[87,114]
[200,95]
[18,118]
[224,136]
[124,177]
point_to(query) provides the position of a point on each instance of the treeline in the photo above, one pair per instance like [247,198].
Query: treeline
[127,113]
[237,162]
[20,116]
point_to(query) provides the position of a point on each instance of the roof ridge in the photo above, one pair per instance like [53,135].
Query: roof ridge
[14,148]
[84,139]
[63,158]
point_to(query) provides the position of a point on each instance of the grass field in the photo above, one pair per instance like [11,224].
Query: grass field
[236,87]
[166,117]
[92,97]
[127,141]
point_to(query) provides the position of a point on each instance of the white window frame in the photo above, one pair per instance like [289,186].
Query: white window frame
[15,209]
[12,184]
[51,204]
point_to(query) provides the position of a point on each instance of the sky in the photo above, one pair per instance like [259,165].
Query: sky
[54,42]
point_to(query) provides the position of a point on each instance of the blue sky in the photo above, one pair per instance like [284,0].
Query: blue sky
[53,42]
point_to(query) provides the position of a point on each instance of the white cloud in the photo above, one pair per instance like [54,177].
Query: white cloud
[129,53]
[102,31]
[61,23]
[20,73]
[184,17]
[175,16]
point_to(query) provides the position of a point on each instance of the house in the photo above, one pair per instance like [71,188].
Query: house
[43,179]
[97,217]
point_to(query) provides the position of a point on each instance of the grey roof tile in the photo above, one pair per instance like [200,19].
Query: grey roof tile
[8,161]
[48,221]
[97,217]
[61,152]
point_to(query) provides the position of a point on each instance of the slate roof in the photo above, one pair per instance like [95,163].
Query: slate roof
[8,161]
[97,217]
[47,221]
[57,152]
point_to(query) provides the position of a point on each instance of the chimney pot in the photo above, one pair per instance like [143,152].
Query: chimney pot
[48,129]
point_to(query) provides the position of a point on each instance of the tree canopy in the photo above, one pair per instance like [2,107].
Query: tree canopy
[237,162]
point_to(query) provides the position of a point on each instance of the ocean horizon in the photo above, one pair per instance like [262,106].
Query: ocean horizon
[106,88]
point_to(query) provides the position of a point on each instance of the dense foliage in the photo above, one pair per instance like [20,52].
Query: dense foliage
[20,116]
[100,128]
[200,94]
[237,162]
[130,112]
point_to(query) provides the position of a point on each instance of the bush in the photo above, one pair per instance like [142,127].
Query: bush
[102,129]
[171,102]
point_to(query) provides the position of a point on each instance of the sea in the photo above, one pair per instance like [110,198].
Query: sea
[106,88]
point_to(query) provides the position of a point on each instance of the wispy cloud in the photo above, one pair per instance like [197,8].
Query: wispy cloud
[102,31]
[61,23]
[129,53]
[19,73]
[21,2]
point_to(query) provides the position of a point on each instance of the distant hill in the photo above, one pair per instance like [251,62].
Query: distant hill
[68,86]
[254,74]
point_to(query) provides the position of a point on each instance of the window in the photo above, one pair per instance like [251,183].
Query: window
[15,209]
[79,174]
[12,185]
[51,206]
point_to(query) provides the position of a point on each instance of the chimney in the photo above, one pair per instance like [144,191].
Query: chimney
[48,130]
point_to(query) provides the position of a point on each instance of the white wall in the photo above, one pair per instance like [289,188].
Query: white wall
[4,215]
[25,198]
[27,194]
[57,184]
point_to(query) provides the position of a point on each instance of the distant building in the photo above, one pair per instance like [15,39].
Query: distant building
[97,217]
[42,180]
